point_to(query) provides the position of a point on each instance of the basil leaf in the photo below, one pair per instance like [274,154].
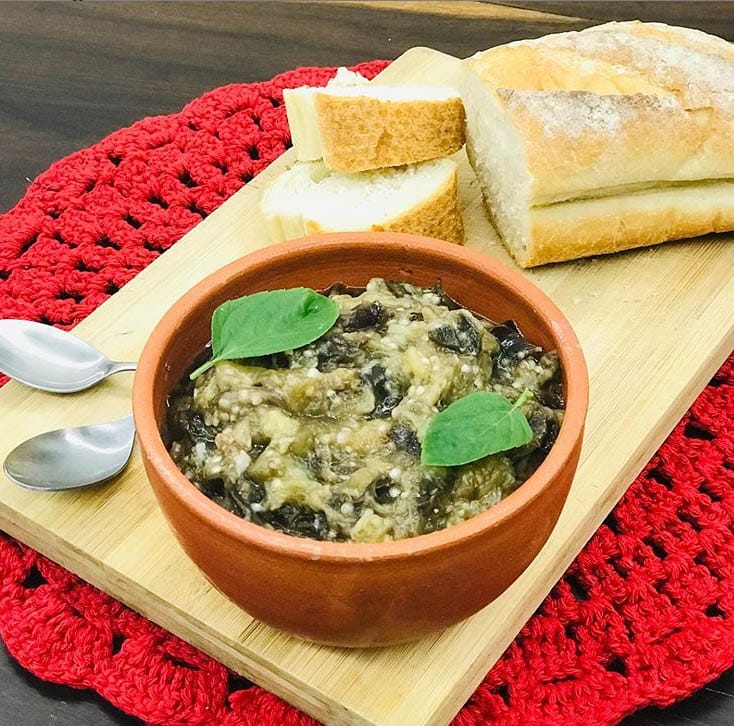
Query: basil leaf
[268,322]
[473,427]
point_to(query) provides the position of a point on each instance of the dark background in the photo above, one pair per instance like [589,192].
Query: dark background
[71,72]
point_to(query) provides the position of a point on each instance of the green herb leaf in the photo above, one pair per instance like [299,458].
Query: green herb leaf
[268,322]
[473,427]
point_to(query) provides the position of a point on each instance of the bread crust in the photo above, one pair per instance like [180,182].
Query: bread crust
[636,138]
[583,228]
[359,133]
[439,216]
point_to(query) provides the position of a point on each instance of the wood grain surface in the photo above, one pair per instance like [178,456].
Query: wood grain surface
[71,73]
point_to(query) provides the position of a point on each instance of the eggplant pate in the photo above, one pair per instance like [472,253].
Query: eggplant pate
[325,441]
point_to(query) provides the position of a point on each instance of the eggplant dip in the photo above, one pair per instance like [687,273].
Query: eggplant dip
[325,441]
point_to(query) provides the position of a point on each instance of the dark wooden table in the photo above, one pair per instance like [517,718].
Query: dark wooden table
[72,72]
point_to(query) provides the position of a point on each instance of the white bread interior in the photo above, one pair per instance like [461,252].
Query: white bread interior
[576,136]
[354,125]
[418,199]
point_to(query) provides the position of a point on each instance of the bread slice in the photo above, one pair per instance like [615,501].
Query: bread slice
[617,136]
[418,199]
[356,126]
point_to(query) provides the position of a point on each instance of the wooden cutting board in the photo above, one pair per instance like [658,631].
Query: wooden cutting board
[654,324]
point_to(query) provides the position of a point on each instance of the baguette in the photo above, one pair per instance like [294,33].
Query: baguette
[614,137]
[419,199]
[357,126]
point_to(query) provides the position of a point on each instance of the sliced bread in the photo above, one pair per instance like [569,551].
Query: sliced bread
[418,199]
[354,125]
[601,140]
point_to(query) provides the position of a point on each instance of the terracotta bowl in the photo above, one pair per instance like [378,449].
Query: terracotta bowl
[347,593]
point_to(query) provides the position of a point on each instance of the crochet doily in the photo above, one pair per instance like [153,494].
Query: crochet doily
[643,616]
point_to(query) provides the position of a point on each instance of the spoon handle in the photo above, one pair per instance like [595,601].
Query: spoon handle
[118,367]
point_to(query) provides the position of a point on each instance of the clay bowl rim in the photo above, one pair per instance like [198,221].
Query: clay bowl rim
[576,387]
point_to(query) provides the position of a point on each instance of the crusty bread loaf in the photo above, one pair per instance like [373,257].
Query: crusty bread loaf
[418,199]
[614,137]
[356,126]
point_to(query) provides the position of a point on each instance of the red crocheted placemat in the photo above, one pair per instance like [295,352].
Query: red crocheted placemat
[643,616]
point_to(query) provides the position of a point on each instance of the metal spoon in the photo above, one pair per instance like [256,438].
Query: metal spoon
[72,458]
[51,359]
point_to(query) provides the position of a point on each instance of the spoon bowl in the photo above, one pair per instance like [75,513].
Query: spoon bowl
[72,458]
[50,359]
